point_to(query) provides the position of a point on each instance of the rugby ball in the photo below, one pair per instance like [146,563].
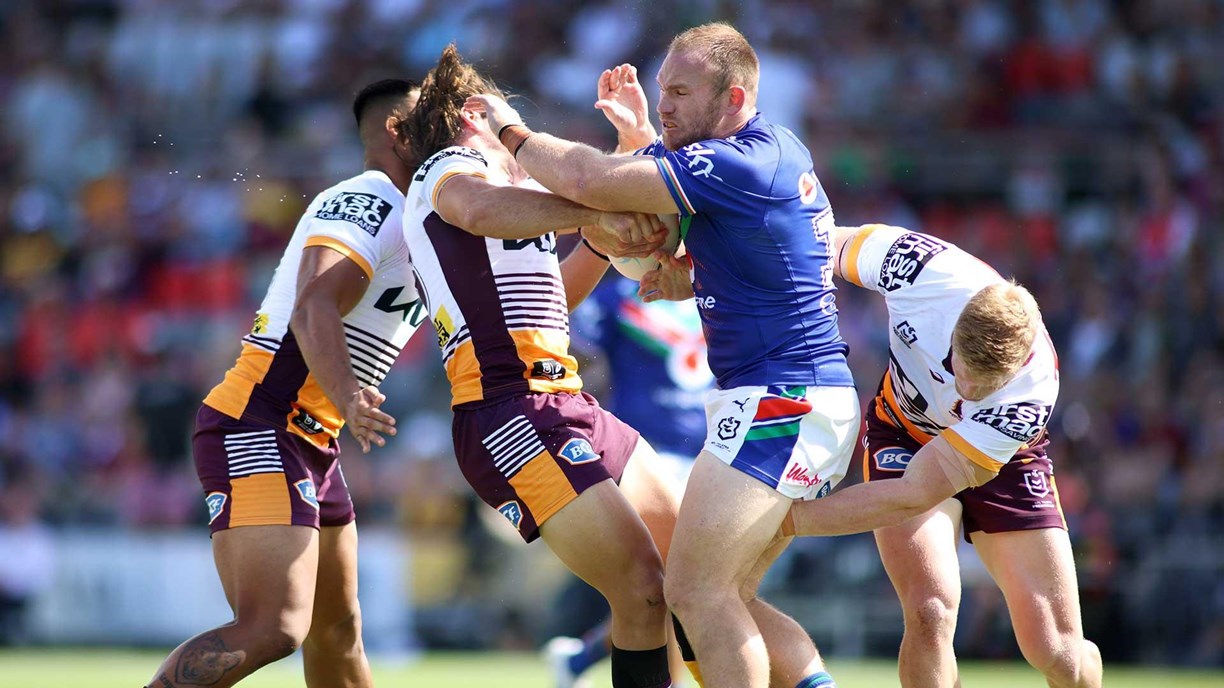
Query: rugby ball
[636,268]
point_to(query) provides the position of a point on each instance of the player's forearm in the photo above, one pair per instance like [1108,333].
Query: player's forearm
[861,508]
[510,212]
[580,272]
[319,330]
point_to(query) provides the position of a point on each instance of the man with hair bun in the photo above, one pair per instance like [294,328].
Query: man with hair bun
[956,438]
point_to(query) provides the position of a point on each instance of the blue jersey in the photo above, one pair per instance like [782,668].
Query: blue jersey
[756,224]
[656,358]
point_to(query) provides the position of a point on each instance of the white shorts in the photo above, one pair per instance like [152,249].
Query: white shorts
[797,440]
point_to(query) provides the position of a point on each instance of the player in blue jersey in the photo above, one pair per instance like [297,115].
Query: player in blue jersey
[783,422]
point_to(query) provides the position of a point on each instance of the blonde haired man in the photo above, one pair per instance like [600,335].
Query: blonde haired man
[782,422]
[960,423]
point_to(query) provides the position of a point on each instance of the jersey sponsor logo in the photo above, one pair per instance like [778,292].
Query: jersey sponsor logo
[825,489]
[306,490]
[513,513]
[548,369]
[705,303]
[936,376]
[469,153]
[893,459]
[809,187]
[444,326]
[261,323]
[367,211]
[216,504]
[906,258]
[1035,482]
[800,476]
[413,310]
[578,451]
[1022,422]
[544,244]
[700,162]
[728,428]
[906,333]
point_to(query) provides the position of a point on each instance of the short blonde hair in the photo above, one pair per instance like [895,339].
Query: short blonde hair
[724,48]
[994,334]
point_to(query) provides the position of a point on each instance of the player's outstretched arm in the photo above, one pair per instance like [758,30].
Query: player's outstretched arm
[329,286]
[937,472]
[510,212]
[580,273]
[577,171]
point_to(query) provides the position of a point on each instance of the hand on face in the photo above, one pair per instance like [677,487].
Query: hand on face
[626,235]
[498,112]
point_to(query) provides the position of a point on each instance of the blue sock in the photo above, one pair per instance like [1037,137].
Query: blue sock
[595,646]
[818,680]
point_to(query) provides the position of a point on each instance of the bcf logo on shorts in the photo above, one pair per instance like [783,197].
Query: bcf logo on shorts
[216,504]
[577,451]
[893,459]
[513,512]
[306,490]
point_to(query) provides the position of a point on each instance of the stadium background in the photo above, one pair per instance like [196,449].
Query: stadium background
[155,156]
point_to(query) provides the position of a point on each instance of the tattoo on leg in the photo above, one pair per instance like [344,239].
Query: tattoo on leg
[204,661]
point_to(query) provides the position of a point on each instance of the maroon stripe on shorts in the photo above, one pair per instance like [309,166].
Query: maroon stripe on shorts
[464,259]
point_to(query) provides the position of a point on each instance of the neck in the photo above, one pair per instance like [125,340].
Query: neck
[388,163]
[736,122]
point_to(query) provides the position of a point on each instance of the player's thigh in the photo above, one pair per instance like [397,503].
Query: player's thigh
[335,600]
[603,541]
[269,573]
[653,494]
[1036,572]
[726,521]
[773,550]
[920,556]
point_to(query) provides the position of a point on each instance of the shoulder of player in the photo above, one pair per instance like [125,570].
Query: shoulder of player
[370,183]
[464,153]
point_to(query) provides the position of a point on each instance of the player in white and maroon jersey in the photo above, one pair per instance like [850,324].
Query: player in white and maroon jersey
[956,439]
[340,307]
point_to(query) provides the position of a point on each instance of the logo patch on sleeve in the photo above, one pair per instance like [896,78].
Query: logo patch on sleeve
[513,513]
[906,258]
[367,211]
[306,490]
[578,451]
[893,459]
[216,504]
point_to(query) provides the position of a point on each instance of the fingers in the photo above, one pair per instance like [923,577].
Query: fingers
[602,86]
[631,73]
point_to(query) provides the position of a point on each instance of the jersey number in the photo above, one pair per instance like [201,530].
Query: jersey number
[414,311]
[543,244]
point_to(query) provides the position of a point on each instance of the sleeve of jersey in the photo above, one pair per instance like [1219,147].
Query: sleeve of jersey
[713,176]
[451,163]
[981,444]
[349,222]
[862,257]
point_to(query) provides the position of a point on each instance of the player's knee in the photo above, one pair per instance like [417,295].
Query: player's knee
[339,638]
[275,637]
[641,591]
[933,618]
[1059,659]
[688,595]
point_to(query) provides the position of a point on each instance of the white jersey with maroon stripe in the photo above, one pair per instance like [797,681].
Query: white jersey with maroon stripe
[498,306]
[926,283]
[359,217]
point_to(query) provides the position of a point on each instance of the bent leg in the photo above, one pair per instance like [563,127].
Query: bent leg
[268,573]
[792,654]
[920,558]
[333,654]
[1036,572]
[727,521]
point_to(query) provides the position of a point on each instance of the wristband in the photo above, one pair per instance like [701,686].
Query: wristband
[513,136]
[592,249]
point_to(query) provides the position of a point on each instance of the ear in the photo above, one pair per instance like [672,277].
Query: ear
[737,97]
[471,119]
[390,126]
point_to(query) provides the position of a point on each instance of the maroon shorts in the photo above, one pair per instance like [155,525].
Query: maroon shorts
[1022,496]
[528,456]
[254,475]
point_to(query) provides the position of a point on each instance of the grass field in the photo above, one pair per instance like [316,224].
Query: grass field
[129,669]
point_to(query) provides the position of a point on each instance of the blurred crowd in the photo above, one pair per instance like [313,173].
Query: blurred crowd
[156,155]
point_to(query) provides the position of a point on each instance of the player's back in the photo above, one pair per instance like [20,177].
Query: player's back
[926,283]
[498,306]
[756,224]
[270,384]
